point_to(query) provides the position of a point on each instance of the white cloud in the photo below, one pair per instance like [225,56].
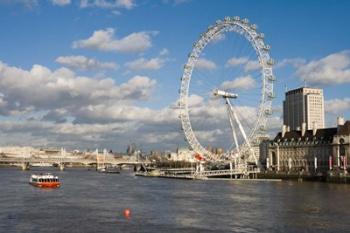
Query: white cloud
[245,83]
[128,4]
[195,100]
[115,12]
[61,88]
[178,2]
[70,110]
[44,133]
[295,62]
[105,40]
[205,64]
[337,106]
[274,125]
[61,2]
[249,65]
[155,137]
[85,63]
[209,136]
[236,61]
[332,69]
[139,87]
[164,52]
[144,64]
[175,2]
[108,4]
[26,3]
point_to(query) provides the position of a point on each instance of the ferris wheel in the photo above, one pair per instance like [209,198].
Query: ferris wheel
[226,91]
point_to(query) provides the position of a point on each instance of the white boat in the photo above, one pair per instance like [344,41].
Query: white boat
[46,180]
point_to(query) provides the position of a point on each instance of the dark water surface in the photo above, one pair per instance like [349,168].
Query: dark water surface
[93,202]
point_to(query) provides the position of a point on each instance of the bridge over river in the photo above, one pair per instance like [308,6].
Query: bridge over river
[61,162]
[104,160]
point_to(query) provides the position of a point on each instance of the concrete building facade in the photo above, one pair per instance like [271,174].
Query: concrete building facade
[304,105]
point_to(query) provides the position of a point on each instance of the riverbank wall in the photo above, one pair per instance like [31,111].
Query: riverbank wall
[331,177]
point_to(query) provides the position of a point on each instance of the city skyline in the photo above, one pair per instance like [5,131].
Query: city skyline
[96,74]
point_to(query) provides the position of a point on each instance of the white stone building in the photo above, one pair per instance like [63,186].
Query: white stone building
[304,105]
[182,154]
[315,150]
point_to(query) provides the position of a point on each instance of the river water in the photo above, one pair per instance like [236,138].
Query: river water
[94,202]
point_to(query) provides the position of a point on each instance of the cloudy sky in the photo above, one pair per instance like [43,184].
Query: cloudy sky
[106,73]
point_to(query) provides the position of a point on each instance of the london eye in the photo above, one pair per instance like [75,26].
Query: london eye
[226,91]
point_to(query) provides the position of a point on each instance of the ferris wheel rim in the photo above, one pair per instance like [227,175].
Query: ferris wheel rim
[255,39]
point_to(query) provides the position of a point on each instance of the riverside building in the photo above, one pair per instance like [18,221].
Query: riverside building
[315,150]
[304,105]
[304,145]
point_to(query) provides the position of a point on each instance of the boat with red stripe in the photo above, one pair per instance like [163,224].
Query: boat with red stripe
[46,180]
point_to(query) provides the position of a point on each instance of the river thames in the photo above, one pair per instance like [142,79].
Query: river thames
[94,202]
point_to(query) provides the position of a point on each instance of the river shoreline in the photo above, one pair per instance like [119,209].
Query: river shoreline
[334,177]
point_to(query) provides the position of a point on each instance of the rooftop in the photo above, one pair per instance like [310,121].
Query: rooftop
[309,90]
[344,129]
[326,134]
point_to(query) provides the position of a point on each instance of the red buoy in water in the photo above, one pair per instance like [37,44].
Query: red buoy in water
[127,213]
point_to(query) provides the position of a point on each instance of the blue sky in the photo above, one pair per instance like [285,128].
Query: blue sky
[309,40]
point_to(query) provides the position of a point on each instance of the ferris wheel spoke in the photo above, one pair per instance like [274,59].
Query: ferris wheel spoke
[241,70]
[205,79]
[223,72]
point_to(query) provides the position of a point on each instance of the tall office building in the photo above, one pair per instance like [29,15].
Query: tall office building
[304,105]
